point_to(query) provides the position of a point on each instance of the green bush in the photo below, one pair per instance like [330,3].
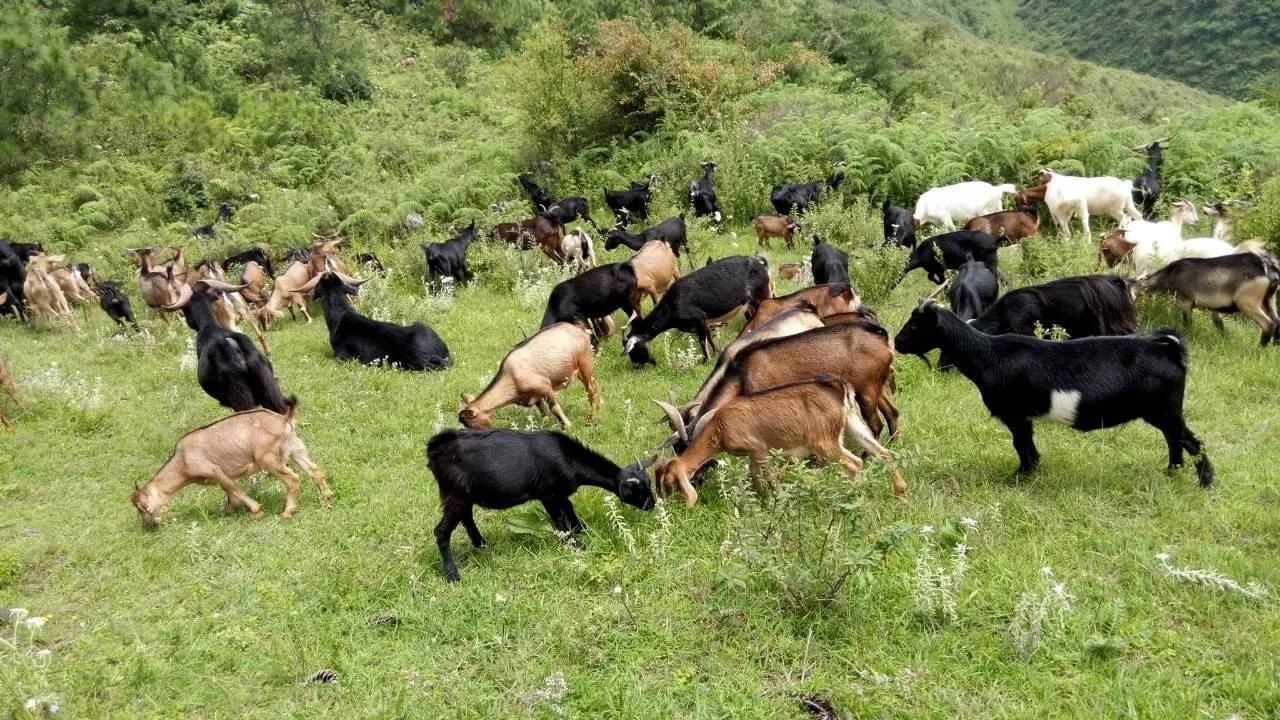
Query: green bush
[1263,218]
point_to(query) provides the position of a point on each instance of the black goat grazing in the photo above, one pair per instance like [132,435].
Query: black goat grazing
[1146,187]
[566,210]
[631,205]
[448,259]
[499,469]
[229,367]
[257,255]
[709,295]
[13,280]
[899,225]
[538,195]
[973,290]
[702,194]
[225,211]
[789,198]
[115,303]
[671,230]
[829,263]
[1087,384]
[356,337]
[594,294]
[955,249]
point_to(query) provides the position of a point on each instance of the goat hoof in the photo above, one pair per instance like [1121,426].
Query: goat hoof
[285,516]
[257,514]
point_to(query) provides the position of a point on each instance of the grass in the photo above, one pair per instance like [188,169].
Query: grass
[215,616]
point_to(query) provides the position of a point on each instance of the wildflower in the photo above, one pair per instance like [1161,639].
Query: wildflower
[1046,571]
[1163,557]
[17,614]
[969,522]
[35,623]
[617,589]
[499,597]
[926,529]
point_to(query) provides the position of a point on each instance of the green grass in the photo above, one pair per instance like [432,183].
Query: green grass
[217,616]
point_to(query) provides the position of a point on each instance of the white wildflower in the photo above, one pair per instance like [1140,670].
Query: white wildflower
[926,529]
[17,614]
[35,623]
[969,522]
[1046,571]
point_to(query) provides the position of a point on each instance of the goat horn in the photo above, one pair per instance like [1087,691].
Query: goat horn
[184,297]
[673,417]
[308,287]
[350,280]
[222,285]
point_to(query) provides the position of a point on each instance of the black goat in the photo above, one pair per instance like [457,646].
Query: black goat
[225,211]
[538,195]
[1083,306]
[13,280]
[973,290]
[596,293]
[229,367]
[257,255]
[356,337]
[449,258]
[499,469]
[631,205]
[566,210]
[955,248]
[115,303]
[789,198]
[829,263]
[671,230]
[26,250]
[899,225]
[1087,384]
[711,294]
[87,273]
[371,261]
[702,194]
[1146,187]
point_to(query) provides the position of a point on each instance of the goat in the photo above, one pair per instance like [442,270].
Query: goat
[899,225]
[829,263]
[225,211]
[630,205]
[115,303]
[768,226]
[709,295]
[370,262]
[296,275]
[793,271]
[13,280]
[254,280]
[500,469]
[830,299]
[1146,187]
[1155,244]
[539,231]
[256,254]
[566,210]
[592,295]
[159,288]
[531,373]
[805,418]
[356,337]
[1241,282]
[231,448]
[1087,384]
[42,291]
[1008,226]
[6,382]
[961,202]
[671,230]
[655,268]
[230,369]
[787,198]
[538,195]
[955,249]
[1070,196]
[448,259]
[74,287]
[1084,306]
[973,290]
[578,249]
[702,194]
[1221,219]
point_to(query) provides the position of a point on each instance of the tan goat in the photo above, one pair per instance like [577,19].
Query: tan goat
[235,446]
[6,382]
[43,293]
[284,293]
[768,226]
[655,267]
[74,288]
[158,287]
[802,419]
[254,280]
[829,299]
[532,372]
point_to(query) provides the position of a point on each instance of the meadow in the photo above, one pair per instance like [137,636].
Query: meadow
[975,596]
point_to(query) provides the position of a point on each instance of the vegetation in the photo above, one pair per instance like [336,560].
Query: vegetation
[124,124]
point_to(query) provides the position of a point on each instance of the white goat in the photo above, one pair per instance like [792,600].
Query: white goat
[1156,244]
[951,205]
[578,249]
[1071,196]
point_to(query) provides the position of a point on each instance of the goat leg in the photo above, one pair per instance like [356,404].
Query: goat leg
[473,532]
[234,492]
[1024,442]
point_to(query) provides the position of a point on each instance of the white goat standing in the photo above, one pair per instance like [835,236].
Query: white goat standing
[950,205]
[1071,196]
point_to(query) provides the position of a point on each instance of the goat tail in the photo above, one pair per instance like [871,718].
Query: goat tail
[290,408]
[1007,188]
[1172,340]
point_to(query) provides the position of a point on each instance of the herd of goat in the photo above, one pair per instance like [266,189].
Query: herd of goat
[808,372]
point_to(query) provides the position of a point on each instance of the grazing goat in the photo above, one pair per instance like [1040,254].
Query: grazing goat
[800,419]
[356,337]
[958,203]
[973,290]
[1153,245]
[768,226]
[448,259]
[115,303]
[592,295]
[231,448]
[955,249]
[225,211]
[6,382]
[578,249]
[42,291]
[538,195]
[1070,196]
[899,225]
[702,194]
[230,369]
[499,469]
[671,230]
[1008,226]
[787,198]
[13,280]
[1146,187]
[566,210]
[1087,384]
[709,295]
[829,263]
[370,262]
[656,268]
[532,372]
[631,205]
[1241,282]
[830,299]
[539,231]
[257,255]
[791,271]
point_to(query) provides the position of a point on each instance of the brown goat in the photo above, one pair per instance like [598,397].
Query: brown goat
[6,382]
[235,446]
[656,268]
[828,299]
[254,281]
[43,293]
[800,419]
[768,226]
[1114,248]
[532,372]
[791,271]
[1034,195]
[158,287]
[1008,226]
[541,231]
[284,292]
[74,288]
